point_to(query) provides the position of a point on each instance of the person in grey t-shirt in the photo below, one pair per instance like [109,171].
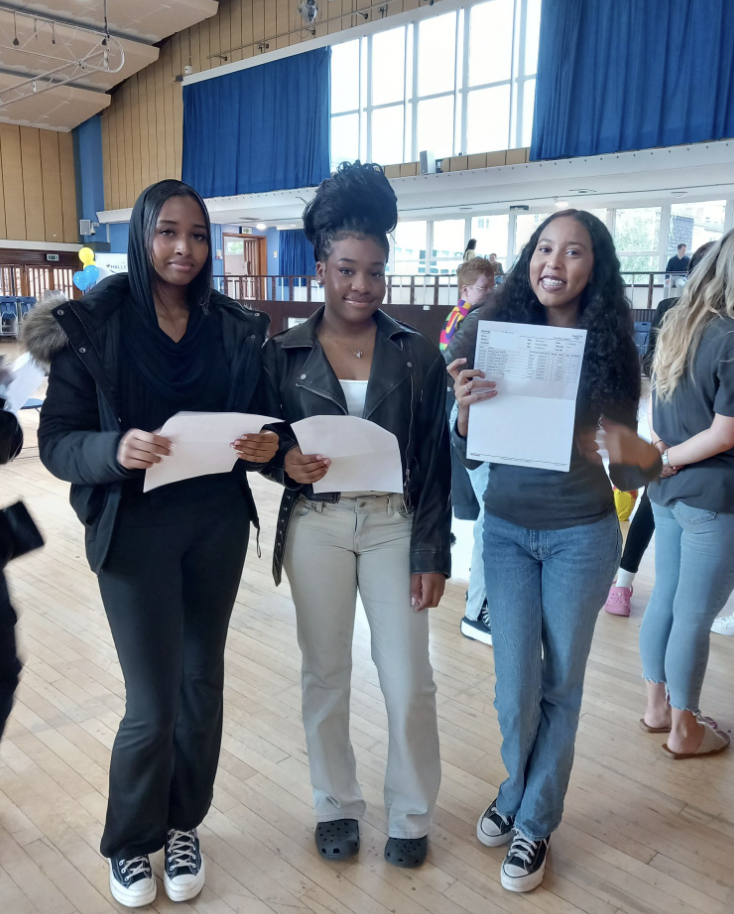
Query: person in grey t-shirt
[692,421]
[551,539]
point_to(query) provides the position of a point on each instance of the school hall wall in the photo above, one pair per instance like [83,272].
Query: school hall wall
[142,130]
[37,185]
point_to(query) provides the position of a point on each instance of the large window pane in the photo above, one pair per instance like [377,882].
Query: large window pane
[345,77]
[488,119]
[387,135]
[436,126]
[524,228]
[643,263]
[410,248]
[448,245]
[637,230]
[532,37]
[491,233]
[490,42]
[436,54]
[388,66]
[344,138]
[693,224]
[528,112]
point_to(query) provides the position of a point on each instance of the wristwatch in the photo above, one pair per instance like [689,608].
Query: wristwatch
[666,460]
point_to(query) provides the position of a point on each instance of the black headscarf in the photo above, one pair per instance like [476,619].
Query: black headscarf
[174,372]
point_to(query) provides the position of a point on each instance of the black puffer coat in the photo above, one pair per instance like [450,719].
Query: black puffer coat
[80,428]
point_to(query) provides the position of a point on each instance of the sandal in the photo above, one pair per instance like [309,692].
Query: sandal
[406,852]
[618,601]
[648,729]
[338,839]
[712,743]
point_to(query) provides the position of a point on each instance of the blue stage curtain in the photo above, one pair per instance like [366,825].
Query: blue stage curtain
[632,75]
[296,254]
[261,129]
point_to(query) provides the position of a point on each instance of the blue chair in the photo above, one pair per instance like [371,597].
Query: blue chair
[33,403]
[642,336]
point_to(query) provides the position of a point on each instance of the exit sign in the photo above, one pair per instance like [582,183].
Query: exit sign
[53,258]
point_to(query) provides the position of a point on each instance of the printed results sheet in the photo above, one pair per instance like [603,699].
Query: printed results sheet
[531,421]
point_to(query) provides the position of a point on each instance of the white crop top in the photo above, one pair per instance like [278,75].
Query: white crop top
[355,393]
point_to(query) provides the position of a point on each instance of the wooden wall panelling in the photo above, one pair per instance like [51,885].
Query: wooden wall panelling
[137,146]
[283,23]
[248,30]
[204,62]
[128,184]
[235,26]
[143,129]
[112,114]
[167,61]
[176,139]
[30,148]
[214,46]
[51,179]
[120,146]
[258,20]
[69,213]
[105,157]
[225,29]
[194,48]
[160,120]
[271,22]
[150,134]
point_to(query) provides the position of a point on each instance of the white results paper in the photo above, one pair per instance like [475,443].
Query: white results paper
[27,377]
[531,421]
[364,456]
[203,445]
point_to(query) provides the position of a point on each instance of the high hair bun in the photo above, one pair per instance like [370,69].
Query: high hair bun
[356,199]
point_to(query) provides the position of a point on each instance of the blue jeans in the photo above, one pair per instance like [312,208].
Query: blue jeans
[477,591]
[547,589]
[694,576]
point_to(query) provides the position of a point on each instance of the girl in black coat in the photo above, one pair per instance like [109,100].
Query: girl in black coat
[135,351]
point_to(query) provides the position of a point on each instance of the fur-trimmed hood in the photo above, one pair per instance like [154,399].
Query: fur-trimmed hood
[41,333]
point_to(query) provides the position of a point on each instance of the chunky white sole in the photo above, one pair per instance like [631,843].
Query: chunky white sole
[188,891]
[474,634]
[488,840]
[524,884]
[132,898]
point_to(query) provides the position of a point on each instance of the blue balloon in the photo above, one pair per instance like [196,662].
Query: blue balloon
[81,281]
[92,272]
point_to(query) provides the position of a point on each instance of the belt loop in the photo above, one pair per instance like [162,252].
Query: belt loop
[390,505]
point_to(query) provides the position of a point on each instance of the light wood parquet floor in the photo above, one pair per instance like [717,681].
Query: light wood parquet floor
[641,835]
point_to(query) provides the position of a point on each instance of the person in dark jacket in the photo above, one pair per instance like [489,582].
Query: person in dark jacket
[551,539]
[136,350]
[350,358]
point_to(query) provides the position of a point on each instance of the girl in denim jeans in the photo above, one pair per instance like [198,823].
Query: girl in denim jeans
[552,539]
[692,413]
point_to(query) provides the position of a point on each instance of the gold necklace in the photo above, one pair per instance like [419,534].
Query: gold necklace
[357,353]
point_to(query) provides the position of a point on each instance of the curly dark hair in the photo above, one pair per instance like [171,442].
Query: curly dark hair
[610,376]
[356,200]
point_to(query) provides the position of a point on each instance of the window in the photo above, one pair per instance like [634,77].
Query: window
[636,237]
[449,84]
[409,249]
[448,245]
[693,224]
[491,233]
[488,119]
[525,226]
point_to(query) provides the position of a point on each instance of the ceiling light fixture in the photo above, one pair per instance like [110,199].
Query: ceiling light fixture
[261,226]
[561,204]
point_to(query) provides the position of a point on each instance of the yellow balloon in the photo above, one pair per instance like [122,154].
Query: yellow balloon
[86,255]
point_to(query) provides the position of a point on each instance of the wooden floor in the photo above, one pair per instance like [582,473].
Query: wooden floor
[640,834]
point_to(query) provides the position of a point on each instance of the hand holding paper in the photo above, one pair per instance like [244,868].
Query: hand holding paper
[364,457]
[202,445]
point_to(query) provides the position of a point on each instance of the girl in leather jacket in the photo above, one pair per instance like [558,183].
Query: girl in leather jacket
[392,547]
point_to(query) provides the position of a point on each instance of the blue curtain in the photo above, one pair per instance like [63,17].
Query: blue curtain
[296,254]
[261,129]
[632,75]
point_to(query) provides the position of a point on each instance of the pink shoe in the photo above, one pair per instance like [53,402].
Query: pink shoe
[618,601]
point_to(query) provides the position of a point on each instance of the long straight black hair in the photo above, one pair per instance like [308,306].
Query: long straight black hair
[140,247]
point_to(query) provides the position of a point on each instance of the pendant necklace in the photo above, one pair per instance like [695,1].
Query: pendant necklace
[357,353]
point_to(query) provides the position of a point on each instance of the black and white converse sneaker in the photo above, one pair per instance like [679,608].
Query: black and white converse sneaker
[494,829]
[132,882]
[478,629]
[524,865]
[184,874]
